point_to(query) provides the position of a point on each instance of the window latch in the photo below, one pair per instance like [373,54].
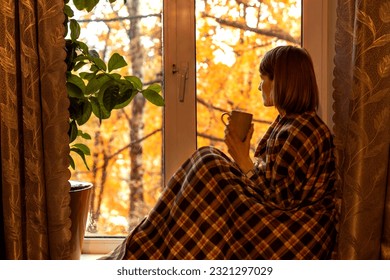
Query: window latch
[183,72]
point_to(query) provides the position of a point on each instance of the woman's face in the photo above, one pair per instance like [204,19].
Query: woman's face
[267,88]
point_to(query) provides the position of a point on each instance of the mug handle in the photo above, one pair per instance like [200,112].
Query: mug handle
[222,117]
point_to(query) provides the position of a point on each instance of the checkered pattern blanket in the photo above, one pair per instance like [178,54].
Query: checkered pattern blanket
[210,210]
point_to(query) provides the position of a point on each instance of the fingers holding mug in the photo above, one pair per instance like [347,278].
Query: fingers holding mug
[237,121]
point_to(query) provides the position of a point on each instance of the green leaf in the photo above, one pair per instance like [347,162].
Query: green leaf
[68,11]
[115,76]
[96,83]
[83,47]
[72,131]
[116,61]
[153,97]
[87,5]
[81,58]
[79,110]
[84,135]
[99,63]
[98,109]
[79,65]
[74,91]
[125,98]
[155,87]
[81,154]
[94,68]
[84,148]
[87,76]
[77,81]
[110,97]
[75,30]
[94,53]
[71,162]
[85,112]
[99,94]
[136,82]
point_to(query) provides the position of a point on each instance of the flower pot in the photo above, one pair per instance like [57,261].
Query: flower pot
[80,196]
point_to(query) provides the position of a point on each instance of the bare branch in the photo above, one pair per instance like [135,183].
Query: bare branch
[209,105]
[210,137]
[133,143]
[267,32]
[109,157]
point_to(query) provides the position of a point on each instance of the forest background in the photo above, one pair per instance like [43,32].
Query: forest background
[126,162]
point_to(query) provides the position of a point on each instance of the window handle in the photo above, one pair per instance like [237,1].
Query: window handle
[183,72]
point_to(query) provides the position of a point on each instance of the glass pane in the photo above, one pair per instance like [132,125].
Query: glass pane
[125,165]
[232,36]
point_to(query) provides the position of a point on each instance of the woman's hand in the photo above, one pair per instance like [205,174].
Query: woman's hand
[238,149]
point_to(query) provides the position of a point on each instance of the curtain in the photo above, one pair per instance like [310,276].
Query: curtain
[33,130]
[362,127]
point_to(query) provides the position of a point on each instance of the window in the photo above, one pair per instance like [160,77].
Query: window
[231,38]
[125,165]
[182,66]
[318,20]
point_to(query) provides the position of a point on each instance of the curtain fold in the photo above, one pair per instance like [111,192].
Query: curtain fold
[385,245]
[33,129]
[362,134]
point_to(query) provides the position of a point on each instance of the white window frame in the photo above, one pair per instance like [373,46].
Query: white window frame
[319,18]
[179,83]
[319,27]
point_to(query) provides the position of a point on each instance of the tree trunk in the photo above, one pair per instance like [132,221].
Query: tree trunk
[92,225]
[98,185]
[137,112]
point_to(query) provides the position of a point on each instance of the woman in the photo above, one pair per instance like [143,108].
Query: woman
[279,207]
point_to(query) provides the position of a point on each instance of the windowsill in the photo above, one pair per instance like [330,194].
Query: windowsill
[95,247]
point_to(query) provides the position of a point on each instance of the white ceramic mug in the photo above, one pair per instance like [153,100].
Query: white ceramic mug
[240,121]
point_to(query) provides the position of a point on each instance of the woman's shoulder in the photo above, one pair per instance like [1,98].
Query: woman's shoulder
[309,120]
[307,125]
[299,131]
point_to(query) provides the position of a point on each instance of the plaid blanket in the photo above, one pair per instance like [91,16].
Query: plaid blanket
[210,210]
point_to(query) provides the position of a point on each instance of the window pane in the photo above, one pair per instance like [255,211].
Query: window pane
[126,149]
[232,36]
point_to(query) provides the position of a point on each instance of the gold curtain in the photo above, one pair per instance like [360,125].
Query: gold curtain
[34,121]
[362,127]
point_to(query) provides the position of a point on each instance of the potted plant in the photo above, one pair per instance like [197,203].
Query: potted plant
[94,89]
